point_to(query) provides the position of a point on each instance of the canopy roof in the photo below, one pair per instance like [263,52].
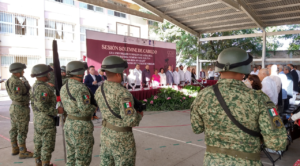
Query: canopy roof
[207,16]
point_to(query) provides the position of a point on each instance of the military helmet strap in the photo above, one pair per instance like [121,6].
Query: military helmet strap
[228,66]
[35,75]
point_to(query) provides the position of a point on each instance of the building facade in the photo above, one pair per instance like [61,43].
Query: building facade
[28,27]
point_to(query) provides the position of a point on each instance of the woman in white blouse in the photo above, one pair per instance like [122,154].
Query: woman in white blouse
[163,78]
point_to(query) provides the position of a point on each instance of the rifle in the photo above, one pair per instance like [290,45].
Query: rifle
[58,85]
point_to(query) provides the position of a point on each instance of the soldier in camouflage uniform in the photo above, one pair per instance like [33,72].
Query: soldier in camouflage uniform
[51,81]
[226,143]
[78,128]
[63,75]
[119,116]
[43,103]
[19,110]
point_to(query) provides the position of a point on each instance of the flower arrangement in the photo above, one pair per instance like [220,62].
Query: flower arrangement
[168,99]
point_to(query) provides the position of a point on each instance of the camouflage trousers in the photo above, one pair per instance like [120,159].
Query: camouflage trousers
[44,142]
[117,148]
[80,142]
[19,118]
[217,159]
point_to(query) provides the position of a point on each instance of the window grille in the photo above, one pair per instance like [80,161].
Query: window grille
[63,61]
[12,23]
[59,30]
[29,60]
[90,7]
[117,14]
[70,2]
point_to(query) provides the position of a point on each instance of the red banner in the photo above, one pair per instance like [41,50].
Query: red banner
[135,50]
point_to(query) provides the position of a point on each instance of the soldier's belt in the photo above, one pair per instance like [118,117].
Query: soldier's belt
[234,153]
[116,128]
[20,103]
[86,118]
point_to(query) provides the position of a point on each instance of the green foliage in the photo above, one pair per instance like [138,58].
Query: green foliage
[189,48]
[168,99]
[295,45]
[192,89]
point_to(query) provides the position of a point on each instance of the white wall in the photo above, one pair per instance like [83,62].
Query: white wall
[40,45]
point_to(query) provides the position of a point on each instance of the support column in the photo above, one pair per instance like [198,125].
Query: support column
[264,49]
[197,64]
[197,68]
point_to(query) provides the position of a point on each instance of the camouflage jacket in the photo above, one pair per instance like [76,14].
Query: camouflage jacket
[248,106]
[121,102]
[43,103]
[82,107]
[52,78]
[64,79]
[17,90]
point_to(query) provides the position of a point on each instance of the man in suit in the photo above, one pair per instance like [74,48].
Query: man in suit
[169,76]
[91,81]
[295,81]
[176,76]
[202,74]
[101,75]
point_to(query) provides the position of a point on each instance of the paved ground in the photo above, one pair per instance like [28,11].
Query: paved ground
[162,139]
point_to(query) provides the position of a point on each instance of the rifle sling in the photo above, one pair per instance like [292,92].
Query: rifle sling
[227,111]
[68,91]
[103,94]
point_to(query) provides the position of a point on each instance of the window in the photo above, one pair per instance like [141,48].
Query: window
[7,60]
[59,30]
[83,32]
[18,24]
[117,14]
[128,30]
[90,7]
[63,61]
[70,2]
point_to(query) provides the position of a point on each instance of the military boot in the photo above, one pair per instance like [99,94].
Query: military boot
[38,161]
[15,148]
[46,163]
[24,153]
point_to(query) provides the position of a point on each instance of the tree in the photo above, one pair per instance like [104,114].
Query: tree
[189,48]
[295,45]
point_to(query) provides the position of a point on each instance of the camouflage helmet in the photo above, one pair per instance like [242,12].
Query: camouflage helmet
[17,67]
[63,69]
[40,70]
[235,60]
[76,68]
[114,64]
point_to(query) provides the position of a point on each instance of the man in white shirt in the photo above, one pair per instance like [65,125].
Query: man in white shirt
[138,75]
[258,68]
[176,76]
[181,74]
[217,75]
[188,76]
[255,71]
[274,76]
[211,74]
[268,85]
